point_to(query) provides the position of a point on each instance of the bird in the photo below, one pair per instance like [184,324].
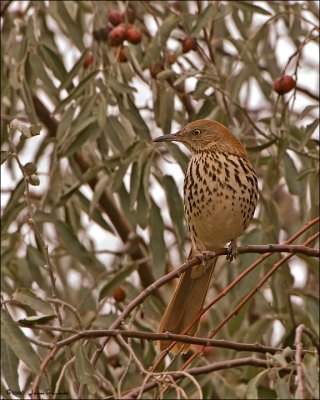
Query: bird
[220,197]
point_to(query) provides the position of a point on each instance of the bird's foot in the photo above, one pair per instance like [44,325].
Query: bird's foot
[232,250]
[203,256]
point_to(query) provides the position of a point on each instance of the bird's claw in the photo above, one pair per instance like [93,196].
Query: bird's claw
[203,256]
[232,250]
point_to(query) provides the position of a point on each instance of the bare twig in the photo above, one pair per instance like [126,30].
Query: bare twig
[298,342]
[217,366]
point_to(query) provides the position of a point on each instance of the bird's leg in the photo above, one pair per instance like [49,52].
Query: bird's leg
[202,255]
[232,250]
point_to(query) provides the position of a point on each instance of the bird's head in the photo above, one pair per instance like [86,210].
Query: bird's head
[205,134]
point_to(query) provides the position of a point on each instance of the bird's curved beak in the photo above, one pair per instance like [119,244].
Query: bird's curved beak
[171,137]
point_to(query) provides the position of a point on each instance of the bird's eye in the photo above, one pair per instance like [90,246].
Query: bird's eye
[197,132]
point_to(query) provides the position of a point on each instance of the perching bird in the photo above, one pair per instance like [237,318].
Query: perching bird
[220,196]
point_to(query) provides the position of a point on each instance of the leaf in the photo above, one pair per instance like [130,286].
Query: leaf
[67,82]
[96,215]
[37,67]
[35,261]
[115,133]
[52,60]
[4,156]
[75,93]
[181,158]
[117,280]
[248,6]
[252,388]
[37,320]
[99,188]
[132,113]
[203,19]
[175,206]
[72,244]
[84,369]
[19,344]
[9,366]
[307,111]
[294,185]
[170,23]
[27,297]
[157,243]
[91,132]
[26,97]
[72,27]
[136,174]
[166,110]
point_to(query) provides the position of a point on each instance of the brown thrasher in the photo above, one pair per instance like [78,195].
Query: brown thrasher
[220,196]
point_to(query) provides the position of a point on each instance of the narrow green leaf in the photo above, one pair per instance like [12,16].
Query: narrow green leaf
[294,185]
[116,281]
[9,366]
[73,245]
[78,65]
[91,132]
[248,6]
[84,369]
[203,19]
[17,341]
[115,134]
[136,174]
[175,206]
[35,262]
[96,215]
[143,205]
[28,102]
[75,93]
[166,109]
[170,23]
[181,158]
[27,297]
[132,113]
[37,67]
[252,388]
[37,320]
[52,60]
[157,243]
[98,190]
[4,156]
[72,27]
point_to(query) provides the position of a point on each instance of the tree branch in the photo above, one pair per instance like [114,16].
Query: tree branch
[217,366]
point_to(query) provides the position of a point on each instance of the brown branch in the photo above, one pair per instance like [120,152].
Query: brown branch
[225,344]
[194,261]
[250,295]
[300,393]
[230,286]
[217,366]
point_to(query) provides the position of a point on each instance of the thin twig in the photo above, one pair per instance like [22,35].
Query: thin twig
[300,394]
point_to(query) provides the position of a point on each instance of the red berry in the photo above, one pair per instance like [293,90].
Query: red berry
[115,17]
[121,54]
[189,44]
[117,35]
[134,35]
[119,294]
[88,60]
[284,84]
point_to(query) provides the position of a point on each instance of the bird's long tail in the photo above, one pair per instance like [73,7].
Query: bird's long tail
[185,304]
